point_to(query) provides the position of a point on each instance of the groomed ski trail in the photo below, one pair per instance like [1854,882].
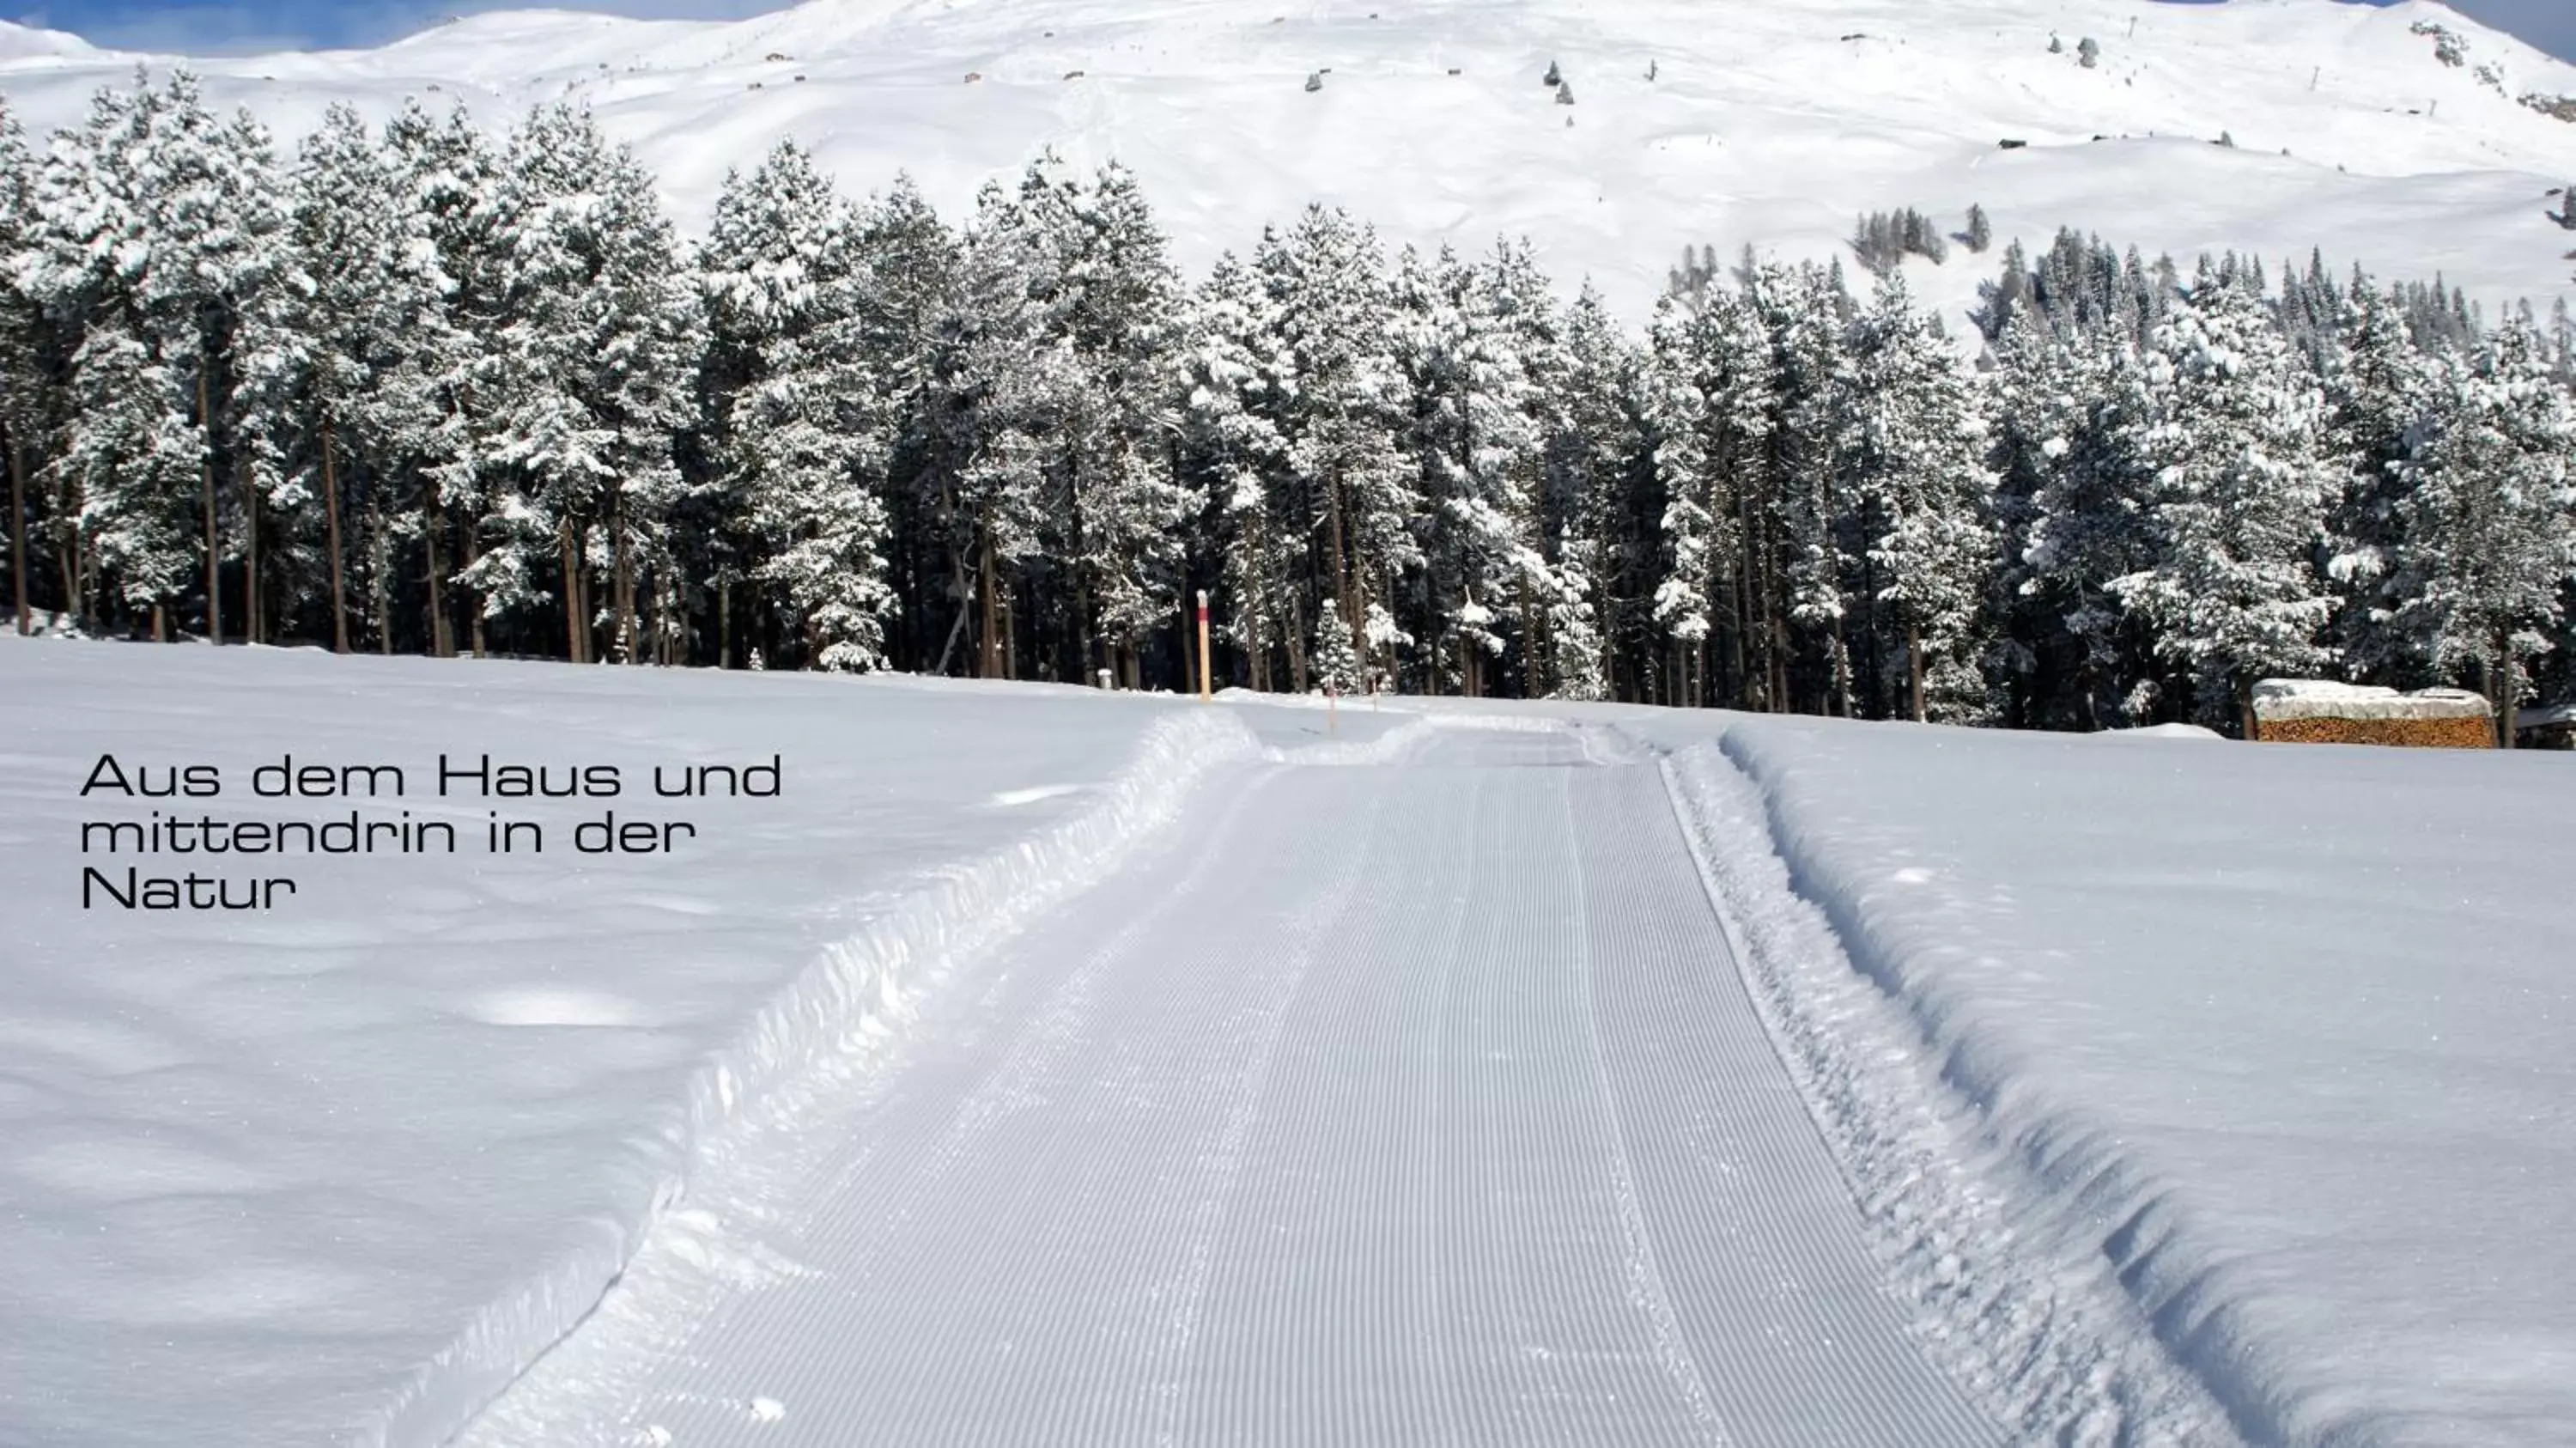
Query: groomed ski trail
[1402,1102]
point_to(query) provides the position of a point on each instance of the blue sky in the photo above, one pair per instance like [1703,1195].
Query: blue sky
[206,25]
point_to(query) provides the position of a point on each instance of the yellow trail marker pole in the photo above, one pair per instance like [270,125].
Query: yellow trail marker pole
[1204,691]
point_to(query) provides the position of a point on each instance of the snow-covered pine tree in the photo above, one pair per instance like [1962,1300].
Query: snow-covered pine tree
[593,372]
[29,365]
[2073,495]
[1349,490]
[1915,436]
[430,403]
[2487,525]
[131,455]
[2239,501]
[349,234]
[908,290]
[207,192]
[1803,315]
[805,435]
[1710,409]
[1478,351]
[1010,379]
[1336,658]
[2375,393]
[1552,585]
[1596,458]
[1122,303]
[1236,370]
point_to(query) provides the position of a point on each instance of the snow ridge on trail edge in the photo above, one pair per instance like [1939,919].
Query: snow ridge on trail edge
[2010,1279]
[824,1025]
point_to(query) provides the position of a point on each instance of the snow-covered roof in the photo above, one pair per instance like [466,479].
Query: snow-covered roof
[2326,699]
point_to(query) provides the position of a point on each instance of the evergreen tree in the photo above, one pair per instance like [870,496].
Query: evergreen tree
[806,434]
[1336,657]
[2074,495]
[1349,499]
[2239,498]
[2488,522]
[31,358]
[1916,438]
[443,308]
[591,375]
[2375,392]
[131,454]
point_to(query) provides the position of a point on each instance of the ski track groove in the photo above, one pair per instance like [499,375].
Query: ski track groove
[1386,1104]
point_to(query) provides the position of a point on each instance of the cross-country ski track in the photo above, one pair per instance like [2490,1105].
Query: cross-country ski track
[1412,1102]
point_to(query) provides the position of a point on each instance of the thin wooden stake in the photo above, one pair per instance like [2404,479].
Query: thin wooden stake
[1205,694]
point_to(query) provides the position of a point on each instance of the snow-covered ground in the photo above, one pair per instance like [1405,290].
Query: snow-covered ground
[2185,1090]
[2287,1032]
[1772,122]
[337,1169]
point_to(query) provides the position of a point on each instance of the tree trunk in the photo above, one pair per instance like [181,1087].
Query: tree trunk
[252,632]
[1914,666]
[331,526]
[1010,635]
[160,624]
[473,555]
[1336,563]
[206,482]
[67,560]
[576,615]
[79,578]
[17,529]
[380,551]
[1297,643]
[724,623]
[2508,696]
[988,584]
[623,556]
[441,639]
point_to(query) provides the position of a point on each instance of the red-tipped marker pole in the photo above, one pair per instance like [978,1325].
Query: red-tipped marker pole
[1205,691]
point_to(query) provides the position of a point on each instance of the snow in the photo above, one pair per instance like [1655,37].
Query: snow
[2284,1038]
[2330,699]
[2182,1092]
[1773,123]
[1381,1102]
[343,1166]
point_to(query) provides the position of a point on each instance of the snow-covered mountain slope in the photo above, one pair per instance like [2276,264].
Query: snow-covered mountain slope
[1693,123]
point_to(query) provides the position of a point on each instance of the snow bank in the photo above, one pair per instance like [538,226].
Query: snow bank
[2286,1037]
[836,1011]
[2009,1299]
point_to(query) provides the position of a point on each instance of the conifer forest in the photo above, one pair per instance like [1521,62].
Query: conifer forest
[424,388]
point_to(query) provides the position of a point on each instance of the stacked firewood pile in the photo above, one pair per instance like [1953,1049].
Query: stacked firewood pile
[2313,711]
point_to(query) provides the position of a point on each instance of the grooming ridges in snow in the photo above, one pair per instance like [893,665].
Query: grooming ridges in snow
[2175,1091]
[2276,1036]
[819,1031]
[2013,1296]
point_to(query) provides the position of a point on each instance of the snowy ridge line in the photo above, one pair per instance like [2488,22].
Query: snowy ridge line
[2002,1259]
[843,1006]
